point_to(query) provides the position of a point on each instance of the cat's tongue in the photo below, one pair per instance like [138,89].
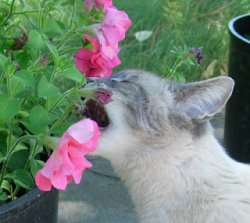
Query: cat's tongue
[103,96]
[94,109]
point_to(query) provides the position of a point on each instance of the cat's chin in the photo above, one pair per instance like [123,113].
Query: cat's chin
[96,112]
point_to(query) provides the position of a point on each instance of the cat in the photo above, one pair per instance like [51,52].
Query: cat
[161,144]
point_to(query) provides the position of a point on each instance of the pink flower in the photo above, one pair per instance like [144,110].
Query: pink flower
[103,57]
[97,63]
[67,162]
[98,4]
[115,24]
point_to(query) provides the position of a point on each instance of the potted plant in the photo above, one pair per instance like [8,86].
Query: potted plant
[40,96]
[237,119]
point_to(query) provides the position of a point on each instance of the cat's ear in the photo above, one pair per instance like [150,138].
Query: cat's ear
[201,100]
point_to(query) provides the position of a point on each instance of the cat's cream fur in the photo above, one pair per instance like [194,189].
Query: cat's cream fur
[175,170]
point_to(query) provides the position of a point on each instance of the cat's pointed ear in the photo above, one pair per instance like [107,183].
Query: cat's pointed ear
[201,100]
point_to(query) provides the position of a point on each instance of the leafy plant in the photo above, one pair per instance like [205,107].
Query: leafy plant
[38,84]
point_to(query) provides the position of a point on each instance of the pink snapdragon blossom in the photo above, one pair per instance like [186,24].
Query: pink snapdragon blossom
[98,4]
[67,162]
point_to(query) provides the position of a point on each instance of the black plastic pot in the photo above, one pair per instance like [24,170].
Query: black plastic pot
[237,120]
[33,207]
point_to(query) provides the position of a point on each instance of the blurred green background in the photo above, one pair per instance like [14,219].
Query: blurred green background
[175,26]
[180,23]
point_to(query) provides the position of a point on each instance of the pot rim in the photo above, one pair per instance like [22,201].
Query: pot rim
[27,197]
[232,29]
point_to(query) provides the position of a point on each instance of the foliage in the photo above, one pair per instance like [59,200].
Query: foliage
[184,23]
[38,84]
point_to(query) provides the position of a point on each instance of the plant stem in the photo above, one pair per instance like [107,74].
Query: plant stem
[72,15]
[9,14]
[66,93]
[86,92]
[66,37]
[15,191]
[176,64]
[62,118]
[23,13]
[10,134]
[10,152]
[9,85]
[52,77]
[71,50]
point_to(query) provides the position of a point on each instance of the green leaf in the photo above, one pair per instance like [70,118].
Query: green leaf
[36,165]
[3,59]
[2,157]
[25,77]
[35,40]
[45,89]
[20,147]
[24,114]
[22,178]
[54,53]
[3,145]
[38,120]
[9,107]
[21,80]
[18,160]
[52,28]
[72,74]
[24,93]
[60,129]
[3,196]
[6,185]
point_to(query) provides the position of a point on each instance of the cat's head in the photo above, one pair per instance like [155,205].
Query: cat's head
[148,111]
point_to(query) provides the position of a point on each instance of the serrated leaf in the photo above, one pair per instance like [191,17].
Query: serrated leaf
[72,74]
[36,165]
[9,107]
[45,89]
[22,178]
[35,40]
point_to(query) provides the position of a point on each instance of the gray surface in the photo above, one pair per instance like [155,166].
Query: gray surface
[101,197]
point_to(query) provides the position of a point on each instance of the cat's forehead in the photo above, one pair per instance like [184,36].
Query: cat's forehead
[137,76]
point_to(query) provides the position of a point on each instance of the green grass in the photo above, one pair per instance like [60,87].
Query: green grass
[182,23]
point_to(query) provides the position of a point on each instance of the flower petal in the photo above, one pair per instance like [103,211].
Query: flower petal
[42,182]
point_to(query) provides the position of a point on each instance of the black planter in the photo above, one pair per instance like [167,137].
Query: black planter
[237,120]
[33,207]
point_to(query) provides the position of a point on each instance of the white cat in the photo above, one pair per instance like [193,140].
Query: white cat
[159,141]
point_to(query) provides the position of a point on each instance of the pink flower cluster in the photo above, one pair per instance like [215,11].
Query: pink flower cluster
[67,162]
[103,57]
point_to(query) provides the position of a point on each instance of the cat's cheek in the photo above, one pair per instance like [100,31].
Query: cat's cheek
[103,148]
